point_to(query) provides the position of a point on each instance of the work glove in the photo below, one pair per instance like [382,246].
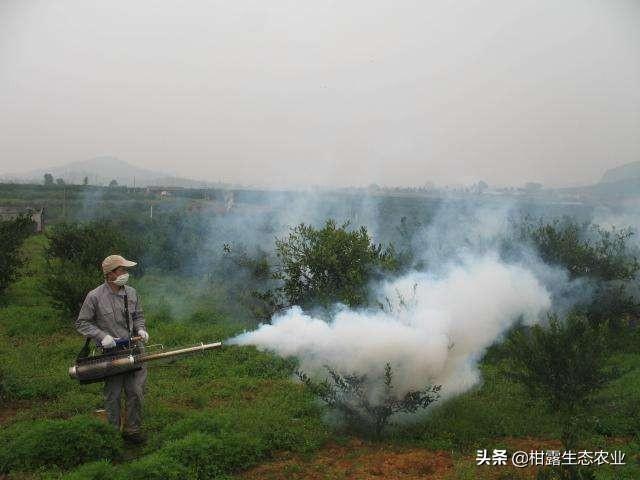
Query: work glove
[108,342]
[143,333]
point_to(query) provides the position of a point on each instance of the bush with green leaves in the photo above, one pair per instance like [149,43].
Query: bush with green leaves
[367,405]
[68,282]
[26,446]
[314,267]
[74,256]
[565,365]
[611,303]
[86,243]
[603,259]
[175,242]
[584,249]
[331,264]
[12,234]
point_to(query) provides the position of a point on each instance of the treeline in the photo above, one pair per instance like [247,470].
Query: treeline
[171,243]
[70,203]
[314,266]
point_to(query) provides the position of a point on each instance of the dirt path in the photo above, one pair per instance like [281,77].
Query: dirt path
[359,460]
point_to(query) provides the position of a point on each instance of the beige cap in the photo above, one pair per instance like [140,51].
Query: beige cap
[114,261]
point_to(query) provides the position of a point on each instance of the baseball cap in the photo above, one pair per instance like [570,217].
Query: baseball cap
[114,261]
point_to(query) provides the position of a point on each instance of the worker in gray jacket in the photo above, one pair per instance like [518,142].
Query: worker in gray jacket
[113,311]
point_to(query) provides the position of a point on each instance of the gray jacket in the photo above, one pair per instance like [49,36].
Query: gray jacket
[103,313]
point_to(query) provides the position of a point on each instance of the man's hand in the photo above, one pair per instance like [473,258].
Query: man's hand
[108,342]
[143,333]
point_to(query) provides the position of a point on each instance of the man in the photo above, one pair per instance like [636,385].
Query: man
[103,317]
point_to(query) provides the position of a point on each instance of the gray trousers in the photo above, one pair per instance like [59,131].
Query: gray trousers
[133,384]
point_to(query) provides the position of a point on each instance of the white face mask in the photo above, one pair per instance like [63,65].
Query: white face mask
[122,279]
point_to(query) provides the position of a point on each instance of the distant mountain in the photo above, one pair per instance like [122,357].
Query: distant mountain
[616,183]
[101,170]
[622,173]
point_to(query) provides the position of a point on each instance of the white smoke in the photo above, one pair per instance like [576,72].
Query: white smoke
[434,331]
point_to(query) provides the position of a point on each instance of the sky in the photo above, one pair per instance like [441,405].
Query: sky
[290,93]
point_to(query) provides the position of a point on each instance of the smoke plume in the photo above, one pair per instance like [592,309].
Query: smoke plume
[433,329]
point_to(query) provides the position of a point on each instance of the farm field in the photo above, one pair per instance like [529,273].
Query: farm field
[241,412]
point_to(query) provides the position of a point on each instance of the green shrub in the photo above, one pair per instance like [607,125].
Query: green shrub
[175,242]
[331,264]
[67,282]
[63,443]
[351,396]
[611,303]
[74,255]
[601,257]
[583,249]
[12,234]
[88,244]
[319,267]
[563,363]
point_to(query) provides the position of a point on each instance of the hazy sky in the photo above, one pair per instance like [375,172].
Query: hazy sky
[324,92]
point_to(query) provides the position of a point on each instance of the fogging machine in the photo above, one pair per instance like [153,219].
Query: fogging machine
[126,356]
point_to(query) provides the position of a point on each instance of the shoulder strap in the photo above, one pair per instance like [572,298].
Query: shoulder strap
[126,313]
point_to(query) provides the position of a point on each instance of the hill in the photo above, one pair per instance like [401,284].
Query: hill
[101,170]
[622,173]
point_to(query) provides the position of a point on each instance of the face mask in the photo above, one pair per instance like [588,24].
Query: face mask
[122,279]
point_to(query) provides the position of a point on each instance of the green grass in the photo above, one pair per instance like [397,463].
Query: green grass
[62,443]
[497,408]
[248,394]
[219,412]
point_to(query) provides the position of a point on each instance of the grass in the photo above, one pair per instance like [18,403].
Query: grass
[219,413]
[248,394]
[497,408]
[62,443]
